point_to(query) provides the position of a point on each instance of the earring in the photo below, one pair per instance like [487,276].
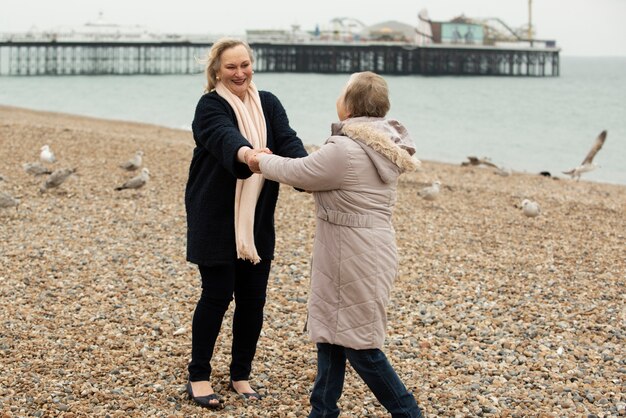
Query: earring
[217,78]
[252,71]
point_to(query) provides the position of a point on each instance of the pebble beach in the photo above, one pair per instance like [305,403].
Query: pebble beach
[493,313]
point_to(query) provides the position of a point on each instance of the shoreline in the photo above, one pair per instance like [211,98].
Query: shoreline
[10,108]
[492,314]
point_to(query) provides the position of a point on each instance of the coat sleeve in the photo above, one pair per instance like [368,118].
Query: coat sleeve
[215,130]
[286,140]
[322,170]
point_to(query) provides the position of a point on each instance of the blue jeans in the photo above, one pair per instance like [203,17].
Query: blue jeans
[375,370]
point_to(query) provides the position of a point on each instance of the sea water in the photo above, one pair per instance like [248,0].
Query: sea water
[528,124]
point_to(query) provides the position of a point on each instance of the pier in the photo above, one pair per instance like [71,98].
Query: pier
[26,58]
[100,58]
[405,59]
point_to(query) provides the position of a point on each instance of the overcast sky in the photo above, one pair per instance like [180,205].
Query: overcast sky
[580,27]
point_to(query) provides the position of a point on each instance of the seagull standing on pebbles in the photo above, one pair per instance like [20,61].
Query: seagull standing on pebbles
[587,164]
[134,163]
[530,208]
[137,181]
[56,178]
[46,155]
[431,192]
[36,169]
[8,201]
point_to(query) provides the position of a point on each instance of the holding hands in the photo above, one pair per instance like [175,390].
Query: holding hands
[251,157]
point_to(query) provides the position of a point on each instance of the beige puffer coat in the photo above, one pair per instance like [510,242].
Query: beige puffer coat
[353,177]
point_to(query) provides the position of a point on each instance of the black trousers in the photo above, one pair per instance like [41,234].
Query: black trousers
[248,283]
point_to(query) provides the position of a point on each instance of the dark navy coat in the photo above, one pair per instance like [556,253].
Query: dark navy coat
[214,170]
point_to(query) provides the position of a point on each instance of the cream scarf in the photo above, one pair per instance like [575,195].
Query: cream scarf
[251,124]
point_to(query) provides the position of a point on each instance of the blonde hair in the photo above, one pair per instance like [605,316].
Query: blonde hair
[366,94]
[213,59]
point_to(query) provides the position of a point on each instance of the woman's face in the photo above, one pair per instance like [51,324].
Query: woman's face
[236,70]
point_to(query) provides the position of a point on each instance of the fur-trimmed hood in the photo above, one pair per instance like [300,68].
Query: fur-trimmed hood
[387,143]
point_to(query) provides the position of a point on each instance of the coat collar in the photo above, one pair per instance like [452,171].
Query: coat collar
[380,142]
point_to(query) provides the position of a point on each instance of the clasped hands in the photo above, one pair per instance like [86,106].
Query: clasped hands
[251,157]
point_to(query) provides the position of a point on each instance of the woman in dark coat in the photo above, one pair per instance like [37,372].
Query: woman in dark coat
[230,212]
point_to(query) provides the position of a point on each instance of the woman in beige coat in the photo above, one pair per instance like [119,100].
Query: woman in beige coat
[353,177]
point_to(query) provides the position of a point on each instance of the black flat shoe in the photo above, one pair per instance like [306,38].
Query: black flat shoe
[207,401]
[253,395]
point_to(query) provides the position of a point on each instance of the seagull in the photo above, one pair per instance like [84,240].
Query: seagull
[8,201]
[530,208]
[134,163]
[46,155]
[137,181]
[478,161]
[430,192]
[587,164]
[57,177]
[36,169]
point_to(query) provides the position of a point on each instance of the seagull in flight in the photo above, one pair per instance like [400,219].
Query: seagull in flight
[587,164]
[530,208]
[46,155]
[471,160]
